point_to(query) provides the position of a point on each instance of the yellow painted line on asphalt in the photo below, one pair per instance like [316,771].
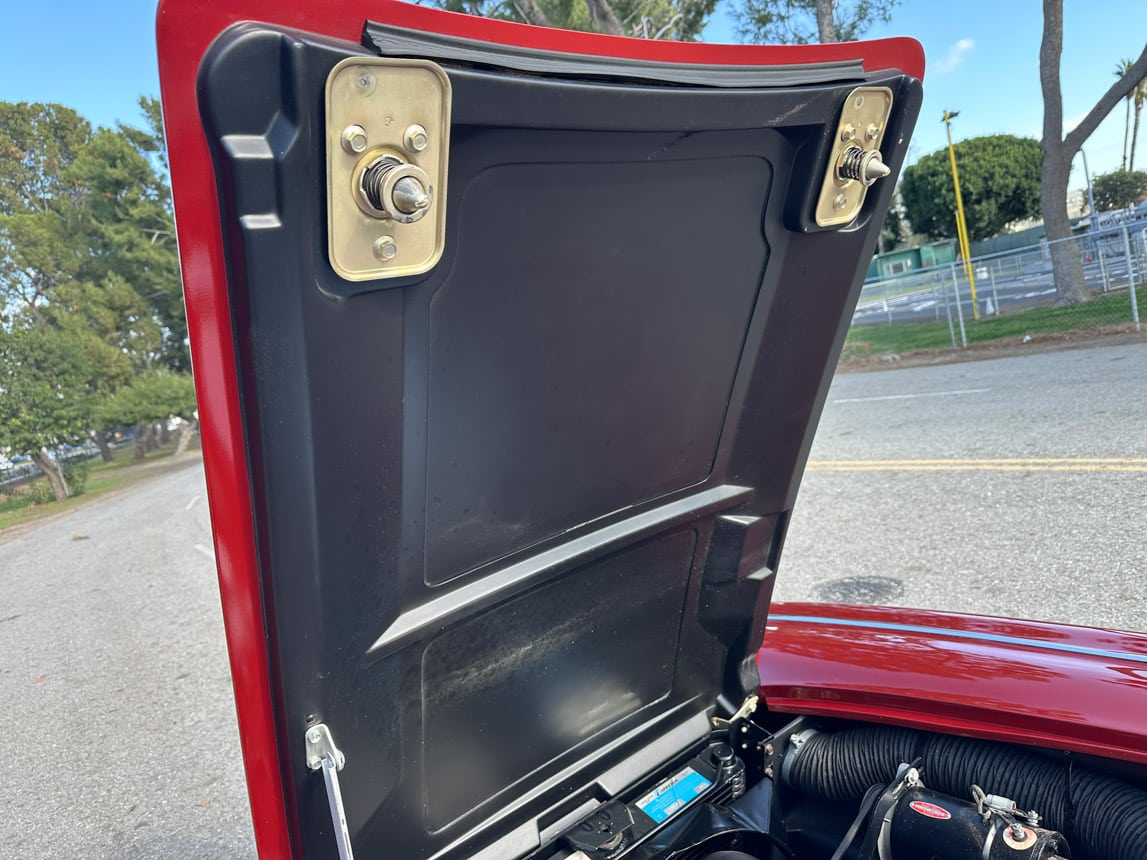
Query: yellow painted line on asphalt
[986,464]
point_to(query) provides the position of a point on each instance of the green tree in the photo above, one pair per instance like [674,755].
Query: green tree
[1122,68]
[799,22]
[154,218]
[1138,98]
[44,396]
[1118,189]
[130,239]
[999,181]
[680,20]
[784,21]
[151,398]
[87,244]
[892,232]
[1059,150]
[38,221]
[85,220]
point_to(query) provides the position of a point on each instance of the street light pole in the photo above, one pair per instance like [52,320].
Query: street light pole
[961,224]
[1094,219]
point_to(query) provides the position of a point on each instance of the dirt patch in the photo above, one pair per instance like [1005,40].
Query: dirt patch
[1005,348]
[863,590]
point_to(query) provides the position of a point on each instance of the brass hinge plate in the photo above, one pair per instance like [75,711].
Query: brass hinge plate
[394,113]
[862,124]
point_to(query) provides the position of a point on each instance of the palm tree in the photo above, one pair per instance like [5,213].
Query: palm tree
[1139,95]
[1121,68]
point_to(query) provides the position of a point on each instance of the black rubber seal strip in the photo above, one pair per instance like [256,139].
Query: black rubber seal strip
[393,41]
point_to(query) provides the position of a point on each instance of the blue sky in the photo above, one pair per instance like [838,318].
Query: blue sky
[98,57]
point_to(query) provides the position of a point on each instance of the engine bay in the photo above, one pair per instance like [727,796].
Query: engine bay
[813,789]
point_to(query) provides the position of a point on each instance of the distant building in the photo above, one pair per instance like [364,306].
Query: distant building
[904,260]
[1010,241]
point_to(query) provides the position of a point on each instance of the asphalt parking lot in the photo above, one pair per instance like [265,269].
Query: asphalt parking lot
[1011,486]
[120,736]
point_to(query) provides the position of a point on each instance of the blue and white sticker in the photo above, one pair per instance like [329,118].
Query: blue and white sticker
[673,794]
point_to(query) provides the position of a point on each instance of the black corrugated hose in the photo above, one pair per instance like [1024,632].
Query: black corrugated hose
[1103,818]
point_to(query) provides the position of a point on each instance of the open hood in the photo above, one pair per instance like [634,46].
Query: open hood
[510,345]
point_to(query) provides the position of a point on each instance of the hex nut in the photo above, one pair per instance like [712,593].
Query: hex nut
[415,138]
[385,248]
[354,139]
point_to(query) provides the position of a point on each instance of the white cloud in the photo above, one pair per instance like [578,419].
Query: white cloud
[957,53]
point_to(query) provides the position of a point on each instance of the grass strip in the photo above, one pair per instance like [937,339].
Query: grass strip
[33,501]
[902,338]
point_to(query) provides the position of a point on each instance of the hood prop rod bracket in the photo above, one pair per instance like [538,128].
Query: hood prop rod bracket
[322,754]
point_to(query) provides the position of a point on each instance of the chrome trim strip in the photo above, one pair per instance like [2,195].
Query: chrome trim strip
[428,618]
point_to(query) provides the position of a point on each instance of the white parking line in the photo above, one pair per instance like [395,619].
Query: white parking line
[200,548]
[954,393]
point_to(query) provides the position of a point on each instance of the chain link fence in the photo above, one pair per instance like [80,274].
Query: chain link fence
[1010,295]
[16,473]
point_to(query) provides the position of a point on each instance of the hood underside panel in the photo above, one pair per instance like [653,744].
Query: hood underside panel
[517,518]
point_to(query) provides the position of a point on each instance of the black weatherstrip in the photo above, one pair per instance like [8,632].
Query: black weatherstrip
[392,41]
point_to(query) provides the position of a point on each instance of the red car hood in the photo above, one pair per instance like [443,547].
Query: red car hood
[505,520]
[1027,682]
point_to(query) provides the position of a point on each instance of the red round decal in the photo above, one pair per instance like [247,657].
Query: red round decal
[930,809]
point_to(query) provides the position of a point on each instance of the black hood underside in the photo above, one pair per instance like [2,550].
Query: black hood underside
[518,518]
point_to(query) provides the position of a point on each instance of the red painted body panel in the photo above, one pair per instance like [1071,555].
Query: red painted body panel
[1055,685]
[185,30]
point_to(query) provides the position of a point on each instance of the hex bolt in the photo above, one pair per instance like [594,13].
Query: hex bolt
[314,735]
[385,248]
[769,772]
[872,132]
[768,749]
[848,133]
[839,202]
[354,139]
[415,138]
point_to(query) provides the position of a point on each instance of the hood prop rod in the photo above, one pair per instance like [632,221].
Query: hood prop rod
[322,754]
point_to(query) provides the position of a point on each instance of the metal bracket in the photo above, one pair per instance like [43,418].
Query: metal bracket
[388,136]
[322,754]
[855,162]
[746,710]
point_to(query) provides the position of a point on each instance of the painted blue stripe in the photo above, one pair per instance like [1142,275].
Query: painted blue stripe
[965,634]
